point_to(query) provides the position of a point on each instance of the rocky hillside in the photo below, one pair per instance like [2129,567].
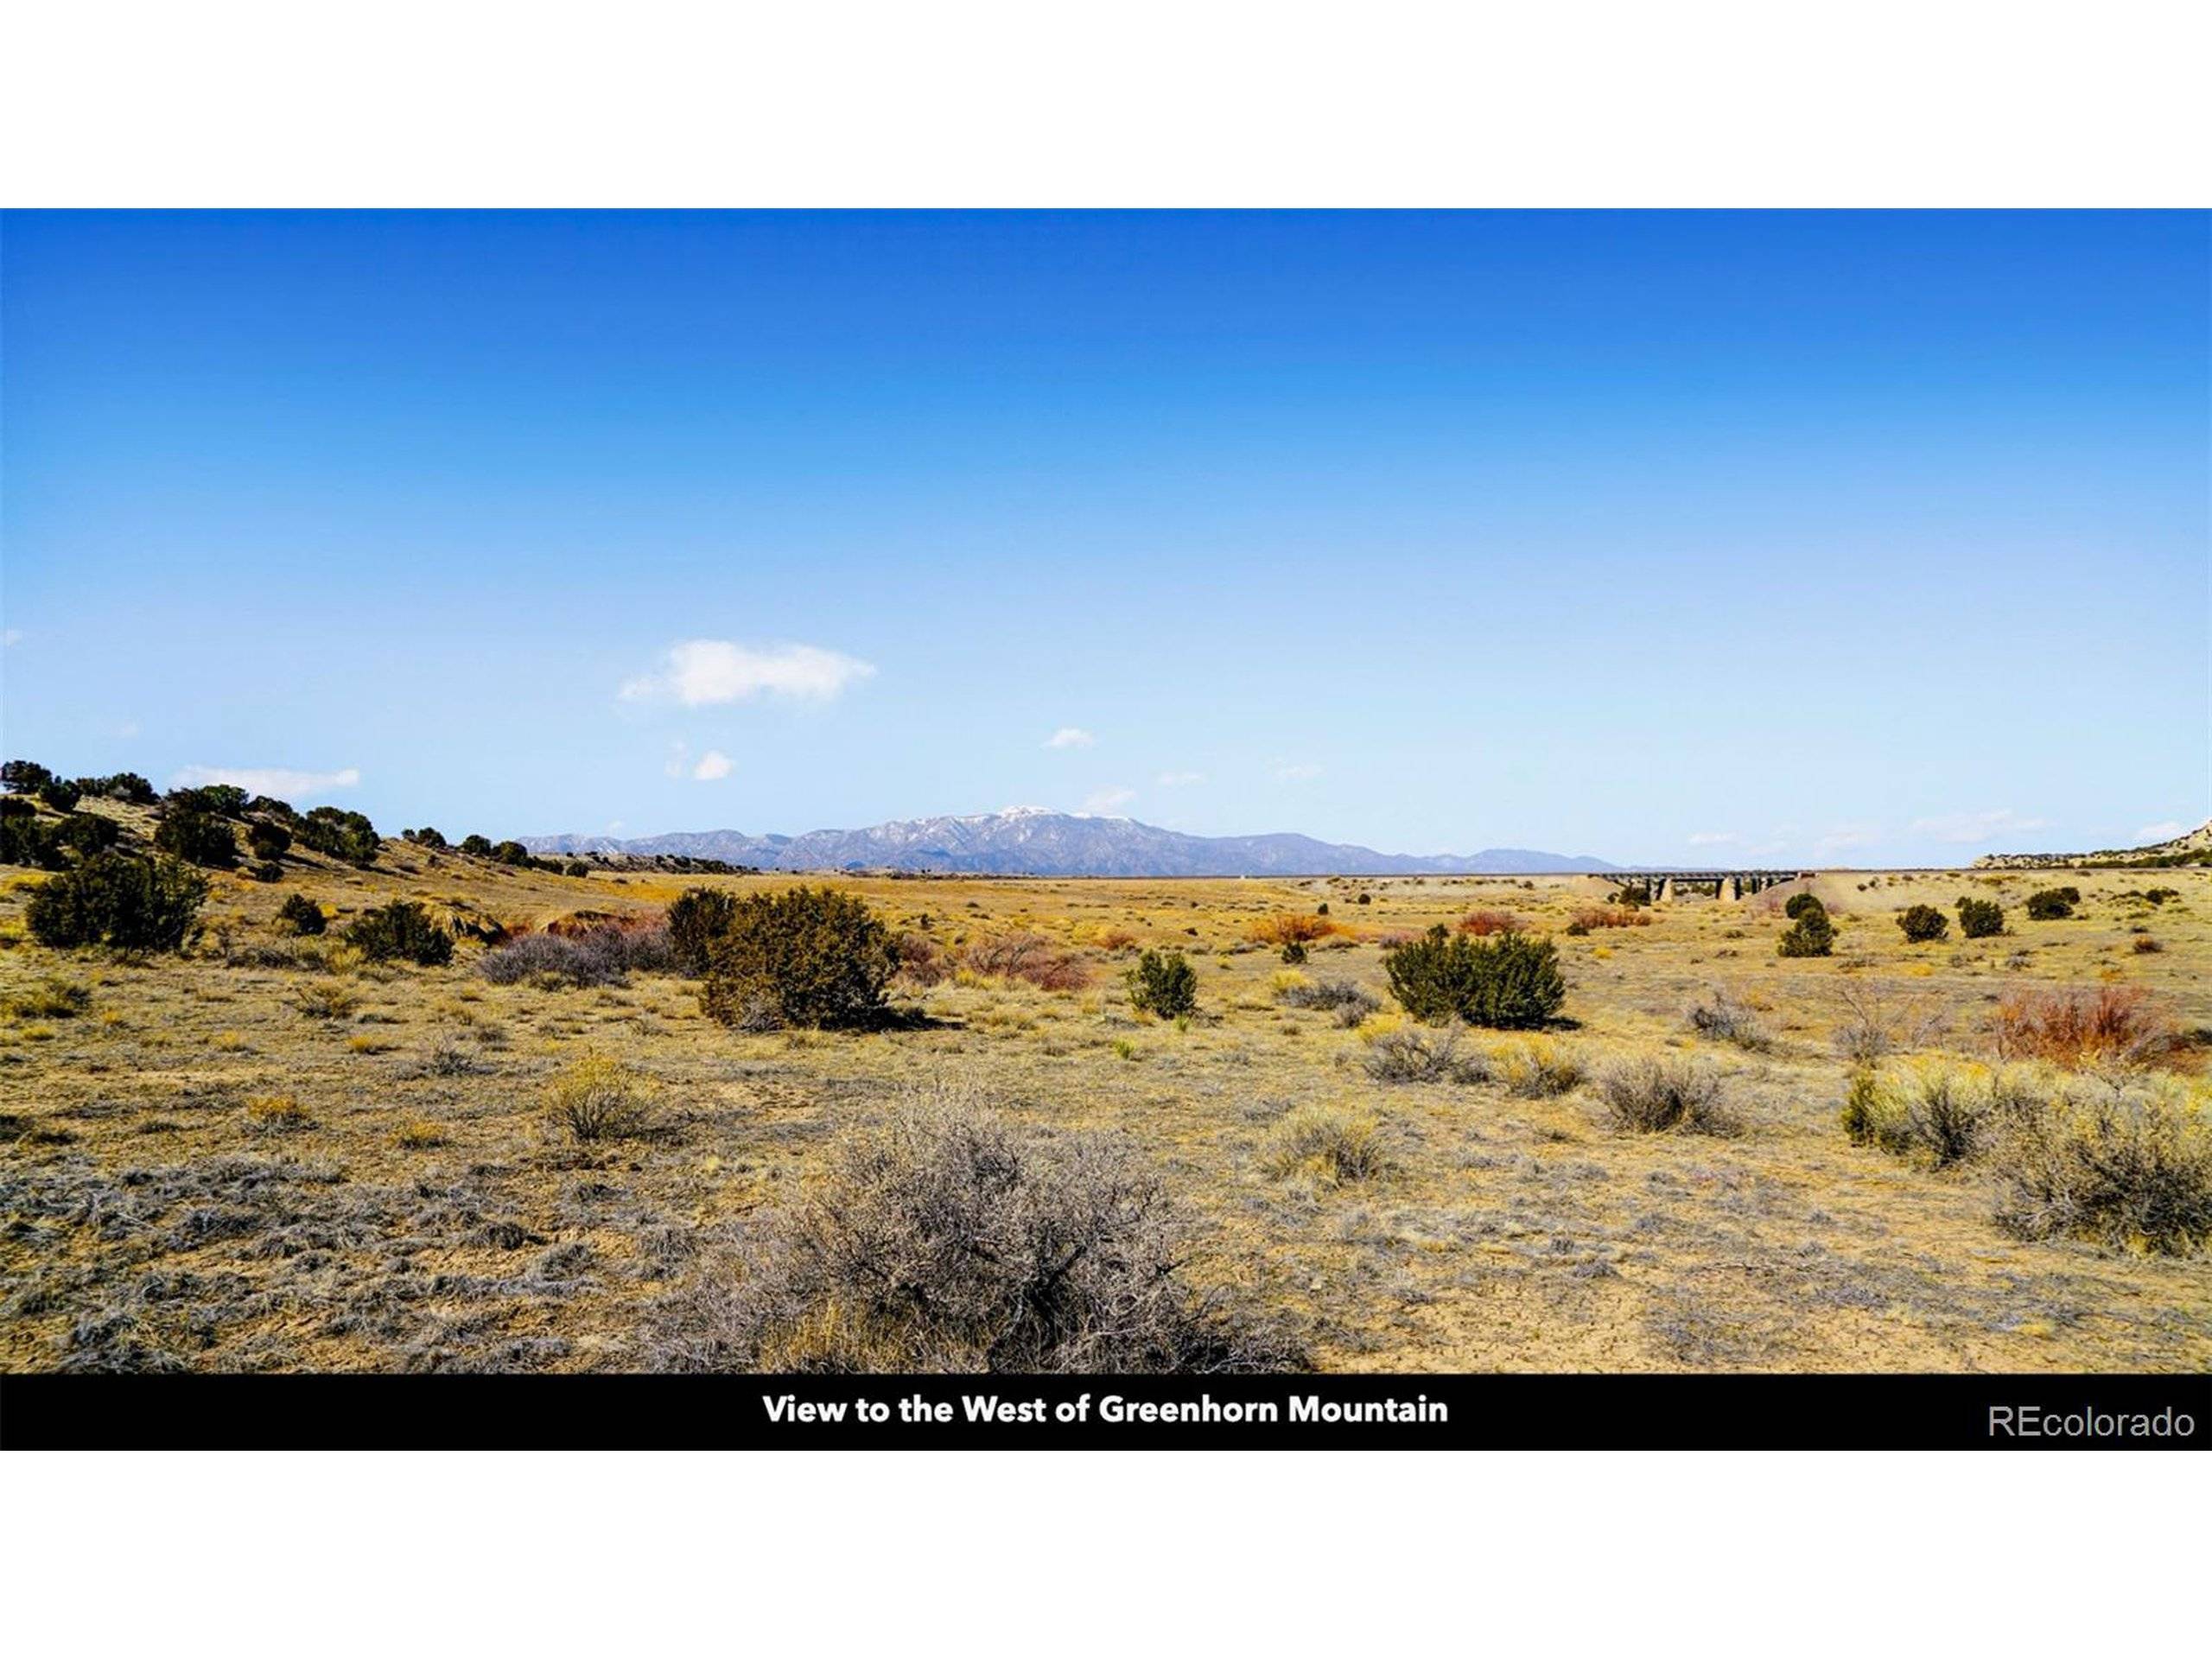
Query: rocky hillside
[2194,848]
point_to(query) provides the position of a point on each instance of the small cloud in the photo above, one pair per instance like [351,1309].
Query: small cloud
[281,782]
[12,637]
[698,671]
[1103,803]
[1069,737]
[1960,829]
[2166,830]
[712,765]
[615,827]
[127,728]
[1178,780]
[1715,838]
[679,758]
[1298,774]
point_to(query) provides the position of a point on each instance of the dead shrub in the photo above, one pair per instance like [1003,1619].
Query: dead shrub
[1324,1143]
[1721,1017]
[2128,1167]
[1351,1003]
[921,960]
[1652,1095]
[598,1098]
[2112,1025]
[1423,1054]
[1030,958]
[1873,1023]
[580,951]
[946,1239]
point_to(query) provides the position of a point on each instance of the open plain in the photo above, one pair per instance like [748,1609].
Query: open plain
[266,1153]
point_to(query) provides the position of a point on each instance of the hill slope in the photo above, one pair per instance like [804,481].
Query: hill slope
[2194,848]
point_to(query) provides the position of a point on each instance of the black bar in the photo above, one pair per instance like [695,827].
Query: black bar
[1654,1412]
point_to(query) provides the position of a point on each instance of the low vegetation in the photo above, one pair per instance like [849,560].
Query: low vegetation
[943,1239]
[1510,983]
[1164,984]
[1328,1144]
[232,1143]
[2053,904]
[1923,925]
[1980,918]
[809,957]
[115,899]
[2112,1024]
[1811,932]
[607,955]
[600,1098]
[1653,1095]
[1724,1018]
[401,931]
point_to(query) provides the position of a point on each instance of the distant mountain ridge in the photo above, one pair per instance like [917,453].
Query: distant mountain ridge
[1031,841]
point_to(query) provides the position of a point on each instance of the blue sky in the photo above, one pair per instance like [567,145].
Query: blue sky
[1700,536]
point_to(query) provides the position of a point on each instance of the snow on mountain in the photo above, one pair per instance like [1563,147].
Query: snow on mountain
[1035,840]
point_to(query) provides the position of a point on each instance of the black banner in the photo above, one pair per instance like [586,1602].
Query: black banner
[1417,1413]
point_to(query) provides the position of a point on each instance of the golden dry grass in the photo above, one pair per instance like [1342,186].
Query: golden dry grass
[413,1206]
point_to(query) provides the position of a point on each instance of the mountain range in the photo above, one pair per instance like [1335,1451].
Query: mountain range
[1031,841]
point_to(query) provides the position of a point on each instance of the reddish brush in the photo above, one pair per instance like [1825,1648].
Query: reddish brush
[1596,916]
[1028,956]
[1483,923]
[1290,927]
[2077,1027]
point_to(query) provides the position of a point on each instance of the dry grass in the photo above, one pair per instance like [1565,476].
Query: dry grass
[1331,1144]
[2114,1025]
[1590,919]
[1510,1231]
[1652,1095]
[1290,927]
[600,1098]
[1028,958]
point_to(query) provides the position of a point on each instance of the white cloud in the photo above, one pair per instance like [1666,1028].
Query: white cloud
[1715,838]
[615,827]
[1105,802]
[2165,831]
[1069,737]
[1844,840]
[712,765]
[127,728]
[1177,779]
[12,637]
[1960,828]
[696,671]
[1298,774]
[281,782]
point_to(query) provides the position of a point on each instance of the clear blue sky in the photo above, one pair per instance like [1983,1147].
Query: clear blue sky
[1862,537]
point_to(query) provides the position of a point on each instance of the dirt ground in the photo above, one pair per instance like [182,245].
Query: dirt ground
[197,1171]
